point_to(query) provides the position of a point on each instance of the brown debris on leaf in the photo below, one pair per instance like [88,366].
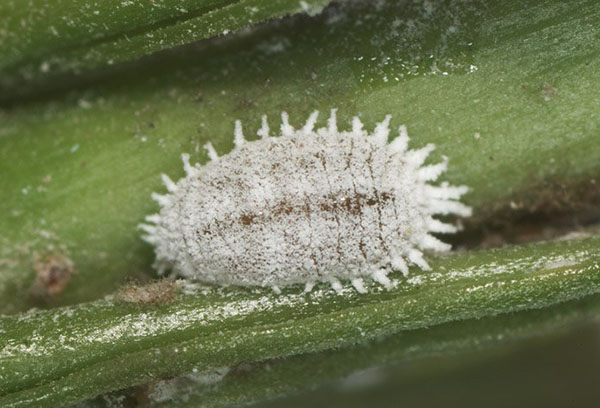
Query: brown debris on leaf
[53,273]
[162,291]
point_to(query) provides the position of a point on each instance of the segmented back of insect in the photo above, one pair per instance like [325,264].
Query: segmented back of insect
[305,206]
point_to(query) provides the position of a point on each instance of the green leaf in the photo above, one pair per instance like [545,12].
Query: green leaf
[507,90]
[43,38]
[50,358]
[419,353]
[89,157]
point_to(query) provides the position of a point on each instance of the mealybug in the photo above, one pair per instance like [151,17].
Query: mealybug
[307,206]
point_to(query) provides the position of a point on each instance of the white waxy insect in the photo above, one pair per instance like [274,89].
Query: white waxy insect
[305,207]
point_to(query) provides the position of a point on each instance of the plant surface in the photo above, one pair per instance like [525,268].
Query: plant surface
[507,90]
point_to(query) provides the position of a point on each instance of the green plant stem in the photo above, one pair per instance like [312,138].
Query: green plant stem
[54,357]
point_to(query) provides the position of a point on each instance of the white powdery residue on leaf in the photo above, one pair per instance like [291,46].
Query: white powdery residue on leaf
[308,206]
[560,263]
[147,324]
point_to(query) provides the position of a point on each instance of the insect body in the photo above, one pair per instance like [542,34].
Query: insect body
[306,206]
